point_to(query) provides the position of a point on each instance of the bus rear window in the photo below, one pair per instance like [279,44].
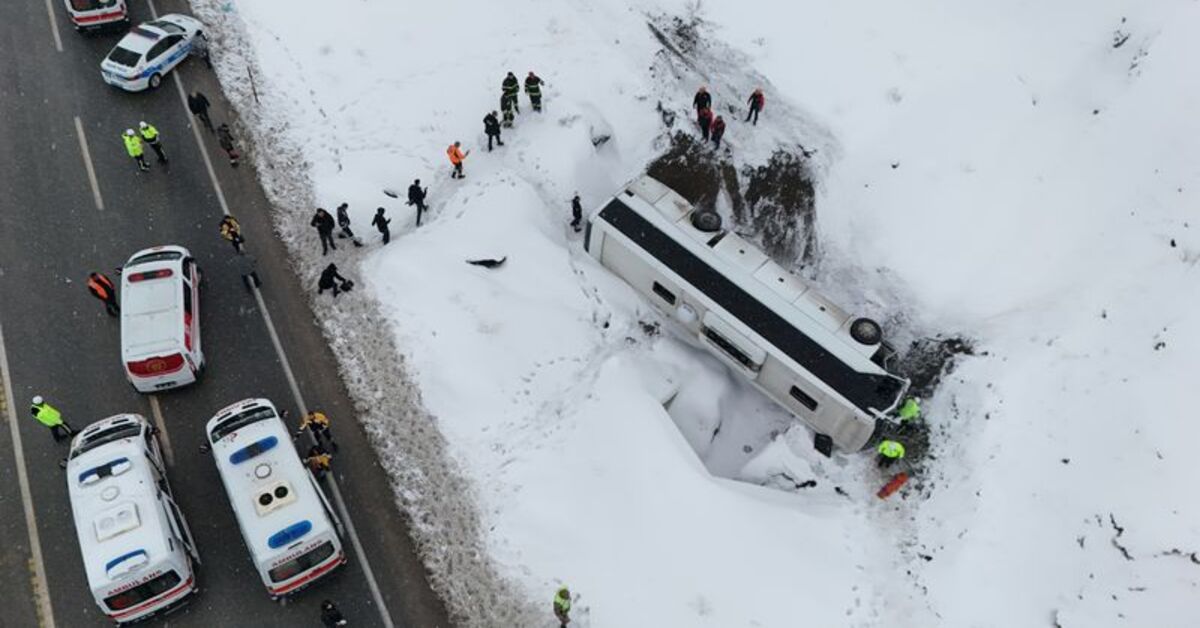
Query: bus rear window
[302,563]
[145,591]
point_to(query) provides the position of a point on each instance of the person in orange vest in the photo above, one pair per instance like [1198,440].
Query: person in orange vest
[457,156]
[102,288]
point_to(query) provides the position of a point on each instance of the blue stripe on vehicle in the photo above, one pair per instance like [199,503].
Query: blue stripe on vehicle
[103,467]
[253,449]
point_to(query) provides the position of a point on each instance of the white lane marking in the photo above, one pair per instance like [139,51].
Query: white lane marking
[87,162]
[41,585]
[163,437]
[337,493]
[54,25]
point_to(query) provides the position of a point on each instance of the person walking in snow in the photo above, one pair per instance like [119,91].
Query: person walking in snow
[324,225]
[225,139]
[416,196]
[889,452]
[331,280]
[718,131]
[491,127]
[150,134]
[506,105]
[457,156]
[231,231]
[756,102]
[343,221]
[381,223]
[49,416]
[511,87]
[576,212]
[702,100]
[562,606]
[533,87]
[198,105]
[102,288]
[704,117]
[133,146]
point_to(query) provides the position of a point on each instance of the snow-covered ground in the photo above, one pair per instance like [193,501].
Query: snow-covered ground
[1000,170]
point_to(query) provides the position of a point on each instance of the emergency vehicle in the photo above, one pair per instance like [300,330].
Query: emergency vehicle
[160,319]
[148,51]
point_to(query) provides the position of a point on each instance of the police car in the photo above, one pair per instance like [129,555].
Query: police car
[149,51]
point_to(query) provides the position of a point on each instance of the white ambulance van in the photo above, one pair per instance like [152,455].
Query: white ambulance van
[160,319]
[137,549]
[287,524]
[94,14]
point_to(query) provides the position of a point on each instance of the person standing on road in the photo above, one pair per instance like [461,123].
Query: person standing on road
[150,134]
[381,223]
[331,617]
[331,280]
[416,196]
[343,221]
[756,102]
[102,288]
[231,230]
[506,105]
[491,126]
[133,146]
[198,105]
[49,416]
[457,156]
[533,87]
[718,131]
[318,461]
[225,139]
[324,224]
[576,212]
[702,100]
[318,424]
[562,606]
[511,88]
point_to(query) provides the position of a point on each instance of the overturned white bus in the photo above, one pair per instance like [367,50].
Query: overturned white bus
[792,343]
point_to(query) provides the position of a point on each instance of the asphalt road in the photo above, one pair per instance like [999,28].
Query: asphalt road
[60,343]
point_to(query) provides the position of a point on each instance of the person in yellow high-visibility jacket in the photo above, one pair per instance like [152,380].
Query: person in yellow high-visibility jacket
[151,135]
[49,416]
[889,452]
[562,606]
[133,146]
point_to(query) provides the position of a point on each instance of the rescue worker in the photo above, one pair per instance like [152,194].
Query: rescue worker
[232,231]
[102,288]
[324,225]
[198,105]
[889,452]
[133,146]
[718,131]
[491,127]
[562,606]
[576,213]
[756,102]
[331,280]
[343,221]
[702,100]
[150,134]
[511,88]
[416,196]
[506,105]
[533,87]
[331,617]
[318,461]
[910,410]
[381,223]
[704,118]
[457,156]
[49,416]
[225,139]
[318,424]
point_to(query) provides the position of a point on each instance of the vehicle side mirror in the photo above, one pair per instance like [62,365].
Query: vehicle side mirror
[205,448]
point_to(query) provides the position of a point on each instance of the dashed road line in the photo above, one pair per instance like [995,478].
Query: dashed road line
[87,162]
[54,25]
[41,590]
[163,437]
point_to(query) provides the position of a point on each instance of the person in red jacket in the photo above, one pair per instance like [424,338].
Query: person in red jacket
[756,102]
[704,117]
[718,131]
[456,155]
[102,288]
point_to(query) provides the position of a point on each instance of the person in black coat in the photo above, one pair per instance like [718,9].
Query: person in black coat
[331,280]
[343,221]
[331,617]
[198,105]
[324,224]
[576,212]
[416,196]
[703,99]
[381,223]
[491,126]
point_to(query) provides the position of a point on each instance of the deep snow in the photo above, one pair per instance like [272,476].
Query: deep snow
[997,170]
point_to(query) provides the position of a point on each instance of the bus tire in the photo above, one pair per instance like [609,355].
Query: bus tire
[866,331]
[706,220]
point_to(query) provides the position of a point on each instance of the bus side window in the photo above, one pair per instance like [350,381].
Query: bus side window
[803,398]
[664,294]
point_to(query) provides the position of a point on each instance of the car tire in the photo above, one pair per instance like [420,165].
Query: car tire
[155,80]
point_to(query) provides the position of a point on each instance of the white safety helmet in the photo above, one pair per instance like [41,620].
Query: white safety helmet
[129,132]
[142,124]
[37,400]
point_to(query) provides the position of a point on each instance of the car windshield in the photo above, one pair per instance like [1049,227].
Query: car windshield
[167,26]
[92,5]
[117,432]
[238,421]
[154,257]
[125,57]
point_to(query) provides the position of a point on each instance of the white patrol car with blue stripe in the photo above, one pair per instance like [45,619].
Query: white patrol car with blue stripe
[150,50]
[137,549]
